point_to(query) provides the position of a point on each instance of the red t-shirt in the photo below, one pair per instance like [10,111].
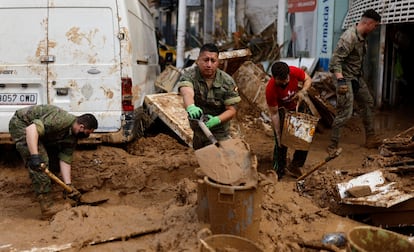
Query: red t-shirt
[276,96]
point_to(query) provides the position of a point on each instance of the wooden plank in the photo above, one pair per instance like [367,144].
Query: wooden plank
[169,107]
[404,168]
[399,163]
[124,237]
[407,205]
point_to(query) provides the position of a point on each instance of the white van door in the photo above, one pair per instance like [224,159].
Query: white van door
[84,52]
[23,42]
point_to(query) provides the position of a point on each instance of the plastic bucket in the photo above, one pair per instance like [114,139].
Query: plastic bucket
[367,239]
[226,242]
[298,130]
[234,209]
[202,201]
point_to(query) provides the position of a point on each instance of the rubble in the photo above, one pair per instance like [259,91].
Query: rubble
[388,203]
[401,145]
[383,195]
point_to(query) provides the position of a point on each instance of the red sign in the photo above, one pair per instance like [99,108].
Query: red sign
[301,5]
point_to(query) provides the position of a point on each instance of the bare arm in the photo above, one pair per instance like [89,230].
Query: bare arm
[65,170]
[228,114]
[307,82]
[274,116]
[188,95]
[32,139]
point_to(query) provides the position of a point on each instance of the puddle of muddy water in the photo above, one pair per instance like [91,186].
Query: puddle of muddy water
[394,119]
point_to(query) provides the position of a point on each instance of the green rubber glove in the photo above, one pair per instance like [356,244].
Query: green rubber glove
[194,112]
[212,121]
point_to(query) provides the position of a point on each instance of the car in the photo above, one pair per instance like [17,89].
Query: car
[167,55]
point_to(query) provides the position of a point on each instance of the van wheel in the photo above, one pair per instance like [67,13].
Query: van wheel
[142,121]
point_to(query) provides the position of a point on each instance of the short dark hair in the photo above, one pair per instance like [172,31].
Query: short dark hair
[88,120]
[372,14]
[280,70]
[209,47]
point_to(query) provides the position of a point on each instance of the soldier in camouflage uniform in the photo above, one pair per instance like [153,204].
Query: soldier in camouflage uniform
[46,134]
[209,91]
[346,64]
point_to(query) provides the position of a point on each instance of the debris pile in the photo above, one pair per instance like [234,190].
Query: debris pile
[384,194]
[396,154]
[323,96]
[401,147]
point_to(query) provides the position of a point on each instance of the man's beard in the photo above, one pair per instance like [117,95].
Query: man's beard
[284,86]
[81,135]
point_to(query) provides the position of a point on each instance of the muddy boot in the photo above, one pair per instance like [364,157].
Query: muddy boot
[373,141]
[48,207]
[280,173]
[332,149]
[293,171]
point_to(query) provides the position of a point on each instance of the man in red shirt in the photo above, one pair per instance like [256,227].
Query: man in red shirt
[282,92]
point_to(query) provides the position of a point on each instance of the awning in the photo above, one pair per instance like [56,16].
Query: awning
[391,11]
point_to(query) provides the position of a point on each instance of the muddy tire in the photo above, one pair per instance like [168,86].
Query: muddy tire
[142,121]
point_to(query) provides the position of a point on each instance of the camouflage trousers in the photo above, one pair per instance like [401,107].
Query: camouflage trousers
[40,181]
[344,109]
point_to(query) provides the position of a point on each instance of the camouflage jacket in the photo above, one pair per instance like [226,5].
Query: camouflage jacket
[348,55]
[212,101]
[54,126]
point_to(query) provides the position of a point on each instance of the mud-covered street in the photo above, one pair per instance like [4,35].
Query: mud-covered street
[152,190]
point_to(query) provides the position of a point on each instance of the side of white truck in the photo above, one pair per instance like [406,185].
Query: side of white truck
[85,56]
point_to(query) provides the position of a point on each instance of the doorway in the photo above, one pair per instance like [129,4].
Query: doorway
[398,64]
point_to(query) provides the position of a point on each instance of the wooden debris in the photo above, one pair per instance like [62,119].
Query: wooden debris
[360,191]
[401,145]
[123,237]
[251,81]
[319,246]
[406,168]
[230,61]
[322,92]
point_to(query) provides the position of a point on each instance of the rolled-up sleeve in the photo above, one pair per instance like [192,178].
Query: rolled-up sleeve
[39,126]
[232,96]
[185,83]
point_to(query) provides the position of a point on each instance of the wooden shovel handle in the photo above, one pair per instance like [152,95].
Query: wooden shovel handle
[327,159]
[52,176]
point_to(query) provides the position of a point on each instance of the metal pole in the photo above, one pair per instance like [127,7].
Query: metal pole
[182,14]
[281,15]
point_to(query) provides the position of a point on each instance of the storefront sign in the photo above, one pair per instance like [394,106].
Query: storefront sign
[325,32]
[301,5]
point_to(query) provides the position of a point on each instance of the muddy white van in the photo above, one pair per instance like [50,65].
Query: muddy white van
[84,56]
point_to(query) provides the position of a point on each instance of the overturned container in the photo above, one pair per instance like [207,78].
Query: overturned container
[234,210]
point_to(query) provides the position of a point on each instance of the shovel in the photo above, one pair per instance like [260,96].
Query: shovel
[301,180]
[67,188]
[206,130]
[228,162]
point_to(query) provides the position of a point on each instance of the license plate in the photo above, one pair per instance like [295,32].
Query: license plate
[18,98]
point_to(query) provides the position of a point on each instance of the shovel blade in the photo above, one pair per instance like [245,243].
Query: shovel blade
[93,198]
[229,163]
